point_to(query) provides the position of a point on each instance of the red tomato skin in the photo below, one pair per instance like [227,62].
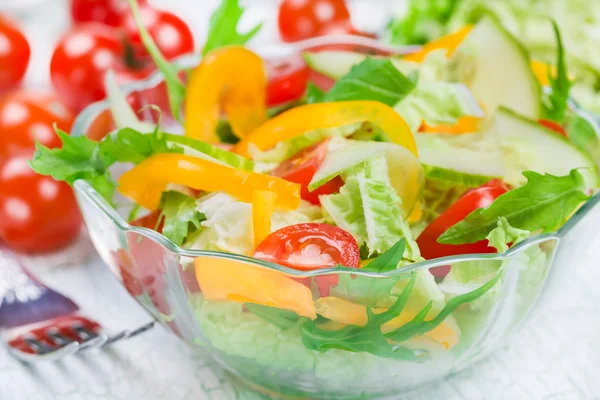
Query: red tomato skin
[321,81]
[302,167]
[300,20]
[26,115]
[553,126]
[37,213]
[170,33]
[469,202]
[149,221]
[288,80]
[15,59]
[107,12]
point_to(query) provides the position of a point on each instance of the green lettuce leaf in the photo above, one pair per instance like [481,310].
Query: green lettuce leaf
[180,216]
[583,133]
[504,234]
[543,203]
[437,103]
[223,27]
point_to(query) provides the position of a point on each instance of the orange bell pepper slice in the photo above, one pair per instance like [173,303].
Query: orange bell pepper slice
[263,205]
[145,182]
[463,125]
[300,120]
[449,42]
[232,79]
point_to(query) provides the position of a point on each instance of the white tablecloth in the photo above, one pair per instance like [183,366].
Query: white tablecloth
[556,355]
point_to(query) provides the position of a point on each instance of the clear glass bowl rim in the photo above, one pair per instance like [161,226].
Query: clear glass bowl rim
[88,114]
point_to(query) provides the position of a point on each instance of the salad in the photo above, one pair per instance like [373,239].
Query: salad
[382,162]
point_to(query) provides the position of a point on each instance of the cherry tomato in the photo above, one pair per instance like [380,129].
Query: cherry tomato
[303,166]
[171,34]
[14,54]
[149,221]
[26,116]
[469,202]
[287,80]
[553,126]
[303,19]
[37,213]
[321,81]
[108,12]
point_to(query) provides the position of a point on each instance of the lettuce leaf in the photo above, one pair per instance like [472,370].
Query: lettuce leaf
[369,208]
[180,216]
[504,234]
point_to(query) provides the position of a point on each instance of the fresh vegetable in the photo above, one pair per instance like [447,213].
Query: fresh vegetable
[231,79]
[543,203]
[583,132]
[15,54]
[263,205]
[299,120]
[223,27]
[288,80]
[37,214]
[305,19]
[301,169]
[429,240]
[108,12]
[27,116]
[449,43]
[179,216]
[555,105]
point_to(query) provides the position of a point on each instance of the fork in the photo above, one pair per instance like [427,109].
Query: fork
[40,324]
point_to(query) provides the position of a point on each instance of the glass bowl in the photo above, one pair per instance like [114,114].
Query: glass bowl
[264,323]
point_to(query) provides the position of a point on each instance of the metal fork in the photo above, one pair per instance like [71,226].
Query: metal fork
[40,324]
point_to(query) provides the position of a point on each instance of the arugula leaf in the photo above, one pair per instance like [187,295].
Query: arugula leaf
[389,260]
[555,105]
[372,79]
[314,94]
[543,203]
[223,27]
[181,217]
[283,319]
[175,86]
[582,132]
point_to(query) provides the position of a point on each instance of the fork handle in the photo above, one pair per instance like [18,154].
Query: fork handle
[24,299]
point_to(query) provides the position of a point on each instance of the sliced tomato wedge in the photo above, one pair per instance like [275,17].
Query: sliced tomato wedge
[302,167]
[469,202]
[311,246]
[288,79]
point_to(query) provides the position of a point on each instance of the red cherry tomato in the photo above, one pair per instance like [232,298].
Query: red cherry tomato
[26,116]
[471,201]
[149,221]
[108,12]
[303,19]
[553,126]
[287,80]
[303,166]
[37,213]
[311,246]
[171,34]
[14,54]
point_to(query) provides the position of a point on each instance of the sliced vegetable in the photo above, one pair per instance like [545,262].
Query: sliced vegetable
[231,79]
[449,42]
[145,182]
[263,205]
[299,120]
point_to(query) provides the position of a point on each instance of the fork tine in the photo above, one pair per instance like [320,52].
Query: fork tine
[53,355]
[128,334]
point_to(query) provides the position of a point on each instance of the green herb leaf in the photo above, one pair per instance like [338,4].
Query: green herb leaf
[555,105]
[363,290]
[175,86]
[283,319]
[314,94]
[389,260]
[372,79]
[223,27]
[543,203]
[582,132]
[181,217]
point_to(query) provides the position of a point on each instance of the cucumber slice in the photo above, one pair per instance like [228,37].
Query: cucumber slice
[337,63]
[495,66]
[528,146]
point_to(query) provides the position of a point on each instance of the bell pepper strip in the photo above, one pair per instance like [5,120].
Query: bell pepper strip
[465,124]
[416,214]
[449,42]
[542,71]
[346,312]
[145,182]
[300,120]
[263,205]
[230,79]
[223,279]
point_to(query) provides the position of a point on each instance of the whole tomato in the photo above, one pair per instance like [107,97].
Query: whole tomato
[37,213]
[108,12]
[14,54]
[27,116]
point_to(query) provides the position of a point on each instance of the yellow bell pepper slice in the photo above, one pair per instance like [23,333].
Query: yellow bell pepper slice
[300,120]
[145,182]
[232,79]
[346,312]
[263,205]
[541,70]
[223,279]
[465,124]
[449,42]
